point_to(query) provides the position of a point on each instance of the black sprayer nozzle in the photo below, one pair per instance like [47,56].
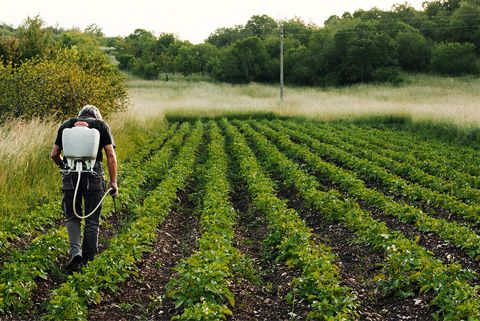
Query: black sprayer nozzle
[114,205]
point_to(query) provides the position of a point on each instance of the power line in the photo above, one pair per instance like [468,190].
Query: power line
[447,19]
[353,31]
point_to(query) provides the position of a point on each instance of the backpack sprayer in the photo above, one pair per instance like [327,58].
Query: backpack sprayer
[80,147]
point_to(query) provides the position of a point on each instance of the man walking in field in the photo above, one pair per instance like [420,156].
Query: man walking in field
[91,187]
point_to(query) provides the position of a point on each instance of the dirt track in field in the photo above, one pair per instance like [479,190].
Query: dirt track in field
[145,296]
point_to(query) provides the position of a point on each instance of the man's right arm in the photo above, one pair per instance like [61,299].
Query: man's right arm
[112,168]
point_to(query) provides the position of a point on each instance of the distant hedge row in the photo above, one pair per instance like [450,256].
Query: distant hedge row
[373,45]
[56,74]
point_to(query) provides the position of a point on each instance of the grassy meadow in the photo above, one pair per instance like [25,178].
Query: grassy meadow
[28,177]
[422,97]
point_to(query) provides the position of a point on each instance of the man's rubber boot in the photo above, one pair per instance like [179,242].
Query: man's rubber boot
[74,263]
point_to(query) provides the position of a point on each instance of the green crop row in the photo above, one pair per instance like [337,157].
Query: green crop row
[459,235]
[18,276]
[136,167]
[436,166]
[403,169]
[319,279]
[391,183]
[461,158]
[24,226]
[408,268]
[118,262]
[202,284]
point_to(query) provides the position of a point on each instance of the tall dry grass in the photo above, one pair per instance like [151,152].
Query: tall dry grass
[25,167]
[423,97]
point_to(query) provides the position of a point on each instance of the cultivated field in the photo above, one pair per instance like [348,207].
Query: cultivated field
[265,219]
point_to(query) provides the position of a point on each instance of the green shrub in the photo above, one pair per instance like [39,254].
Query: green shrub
[454,58]
[61,86]
[387,74]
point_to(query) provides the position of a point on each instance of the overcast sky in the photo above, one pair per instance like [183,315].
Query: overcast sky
[192,20]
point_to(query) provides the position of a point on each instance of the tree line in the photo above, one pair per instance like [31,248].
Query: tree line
[367,45]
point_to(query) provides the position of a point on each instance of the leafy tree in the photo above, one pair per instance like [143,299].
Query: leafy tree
[251,57]
[465,24]
[35,40]
[261,26]
[404,12]
[6,30]
[332,20]
[413,50]
[165,42]
[141,44]
[372,14]
[94,30]
[165,64]
[322,46]
[243,61]
[454,58]
[368,45]
[185,62]
[433,8]
[194,58]
[9,49]
[298,66]
[137,52]
[356,56]
[223,37]
[75,37]
[297,29]
[166,49]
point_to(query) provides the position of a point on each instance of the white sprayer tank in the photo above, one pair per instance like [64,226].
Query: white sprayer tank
[80,143]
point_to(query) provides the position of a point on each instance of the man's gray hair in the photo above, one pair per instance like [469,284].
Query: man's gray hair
[90,110]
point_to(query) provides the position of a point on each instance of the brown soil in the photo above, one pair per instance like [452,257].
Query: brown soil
[264,298]
[442,249]
[145,296]
[359,264]
[447,252]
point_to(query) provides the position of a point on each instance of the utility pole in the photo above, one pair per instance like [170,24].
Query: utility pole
[281,63]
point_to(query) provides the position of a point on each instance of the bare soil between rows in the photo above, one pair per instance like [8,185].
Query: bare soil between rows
[442,249]
[264,298]
[145,296]
[359,264]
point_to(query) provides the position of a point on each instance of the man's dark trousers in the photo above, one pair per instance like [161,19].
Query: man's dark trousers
[90,190]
